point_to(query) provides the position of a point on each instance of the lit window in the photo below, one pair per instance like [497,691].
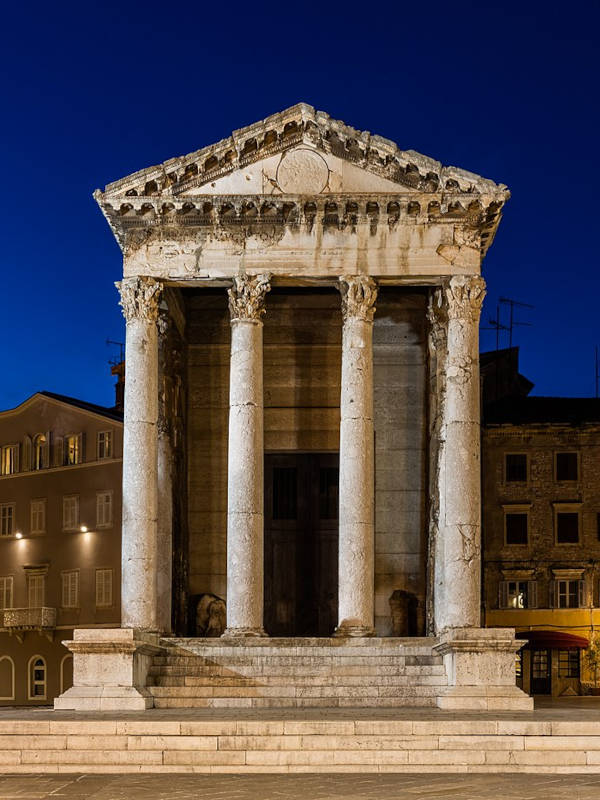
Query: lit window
[70,589]
[10,459]
[518,594]
[6,592]
[515,467]
[567,522]
[104,509]
[36,590]
[105,444]
[104,582]
[37,678]
[40,460]
[7,519]
[567,467]
[73,448]
[71,512]
[568,663]
[38,516]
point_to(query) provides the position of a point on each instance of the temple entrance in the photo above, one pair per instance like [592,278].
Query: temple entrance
[301,544]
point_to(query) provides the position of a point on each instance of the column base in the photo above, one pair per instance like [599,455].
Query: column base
[353,631]
[110,670]
[243,633]
[480,665]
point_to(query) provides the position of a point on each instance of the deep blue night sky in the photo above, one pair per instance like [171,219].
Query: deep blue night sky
[95,91]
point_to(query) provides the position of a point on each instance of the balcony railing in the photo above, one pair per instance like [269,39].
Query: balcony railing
[23,619]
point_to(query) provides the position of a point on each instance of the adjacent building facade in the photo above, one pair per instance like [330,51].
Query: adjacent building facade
[541,534]
[60,523]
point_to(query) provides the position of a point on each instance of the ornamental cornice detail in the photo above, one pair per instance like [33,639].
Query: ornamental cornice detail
[247,297]
[140,298]
[463,295]
[359,293]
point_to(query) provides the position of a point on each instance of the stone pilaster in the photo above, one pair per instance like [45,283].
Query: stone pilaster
[139,300]
[245,490]
[357,466]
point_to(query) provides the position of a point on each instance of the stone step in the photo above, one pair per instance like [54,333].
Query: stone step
[297,680]
[252,660]
[329,652]
[294,702]
[233,692]
[422,740]
[419,642]
[370,672]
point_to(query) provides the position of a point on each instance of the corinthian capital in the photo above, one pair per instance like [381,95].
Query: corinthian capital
[464,297]
[139,298]
[359,294]
[437,316]
[247,297]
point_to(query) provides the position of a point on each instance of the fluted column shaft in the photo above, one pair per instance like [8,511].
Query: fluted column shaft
[457,306]
[357,466]
[139,300]
[245,488]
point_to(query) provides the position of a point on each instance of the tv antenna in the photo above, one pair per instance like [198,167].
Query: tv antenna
[121,345]
[512,322]
[496,325]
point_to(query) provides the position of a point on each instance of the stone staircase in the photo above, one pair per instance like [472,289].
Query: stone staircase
[296,673]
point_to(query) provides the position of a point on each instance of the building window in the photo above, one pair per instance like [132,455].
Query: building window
[567,467]
[37,678]
[6,592]
[104,509]
[518,594]
[70,588]
[10,459]
[567,523]
[516,525]
[569,593]
[38,516]
[36,590]
[73,445]
[40,460]
[568,664]
[515,467]
[104,583]
[7,678]
[71,512]
[105,444]
[7,519]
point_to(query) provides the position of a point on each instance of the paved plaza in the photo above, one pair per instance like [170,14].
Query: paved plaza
[301,787]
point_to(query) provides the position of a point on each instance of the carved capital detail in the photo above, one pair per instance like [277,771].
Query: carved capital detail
[247,297]
[359,293]
[464,297]
[437,316]
[139,298]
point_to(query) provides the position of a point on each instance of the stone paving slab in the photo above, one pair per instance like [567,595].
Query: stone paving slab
[299,787]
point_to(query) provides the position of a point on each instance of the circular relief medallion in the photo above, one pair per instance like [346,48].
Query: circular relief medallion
[302,171]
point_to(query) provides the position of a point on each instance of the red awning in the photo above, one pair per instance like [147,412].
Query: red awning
[553,639]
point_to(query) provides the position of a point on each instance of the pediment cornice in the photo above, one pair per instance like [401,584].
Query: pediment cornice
[300,124]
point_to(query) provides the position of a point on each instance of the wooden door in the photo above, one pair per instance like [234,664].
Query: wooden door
[301,543]
[541,681]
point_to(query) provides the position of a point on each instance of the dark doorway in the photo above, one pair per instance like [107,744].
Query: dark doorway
[541,682]
[301,544]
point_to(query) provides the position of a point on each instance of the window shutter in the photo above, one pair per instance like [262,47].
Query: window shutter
[17,451]
[46,450]
[553,594]
[532,601]
[26,453]
[503,594]
[81,448]
[582,593]
[59,453]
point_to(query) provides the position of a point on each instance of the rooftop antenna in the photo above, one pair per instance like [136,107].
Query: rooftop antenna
[121,345]
[496,325]
[512,322]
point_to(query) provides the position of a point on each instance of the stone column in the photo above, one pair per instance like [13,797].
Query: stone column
[357,460]
[245,488]
[457,305]
[139,300]
[164,583]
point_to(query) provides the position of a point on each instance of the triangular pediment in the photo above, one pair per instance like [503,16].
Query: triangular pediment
[298,151]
